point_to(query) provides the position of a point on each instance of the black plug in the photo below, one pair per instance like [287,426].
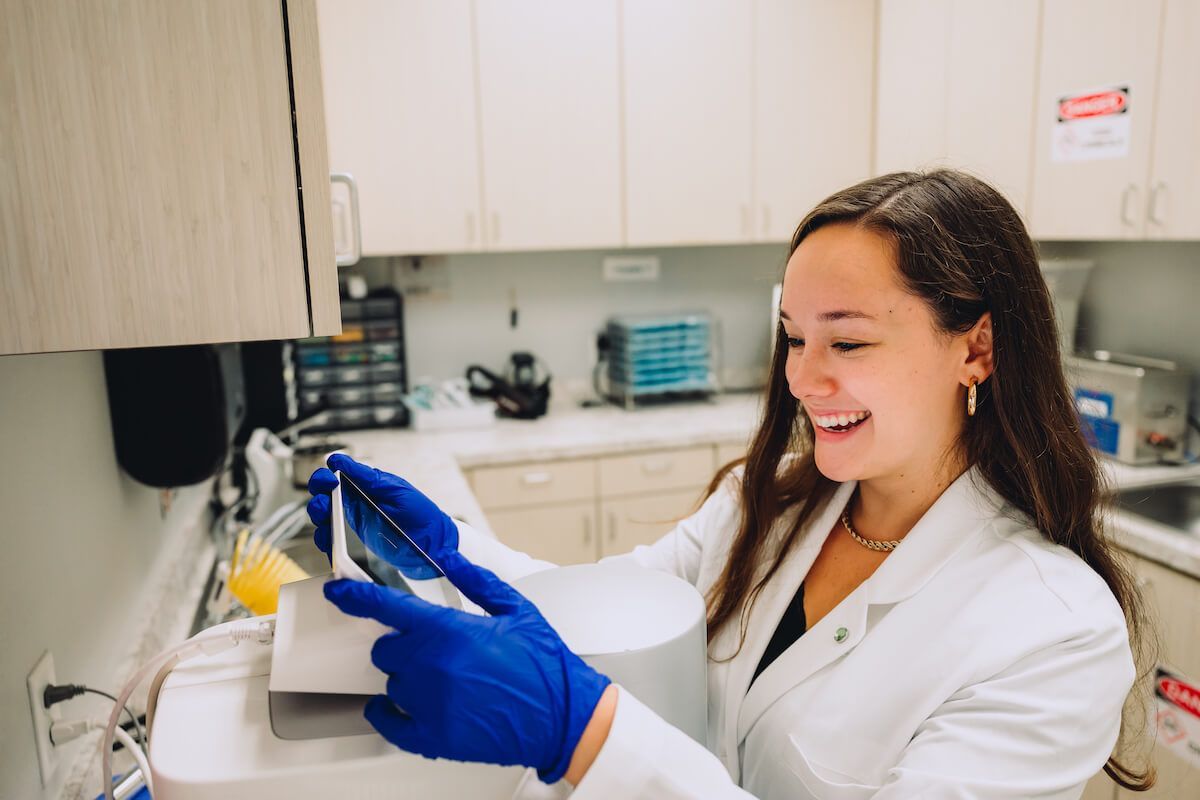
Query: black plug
[52,694]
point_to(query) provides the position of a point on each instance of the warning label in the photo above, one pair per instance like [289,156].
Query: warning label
[1178,714]
[1092,125]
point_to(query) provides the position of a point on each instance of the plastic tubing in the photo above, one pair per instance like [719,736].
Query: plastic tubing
[138,755]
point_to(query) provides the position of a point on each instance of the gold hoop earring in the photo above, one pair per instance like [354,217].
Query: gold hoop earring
[971,399]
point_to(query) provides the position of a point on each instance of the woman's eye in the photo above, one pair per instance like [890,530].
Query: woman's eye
[846,347]
[792,341]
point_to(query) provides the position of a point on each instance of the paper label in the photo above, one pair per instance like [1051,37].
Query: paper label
[1177,703]
[1092,125]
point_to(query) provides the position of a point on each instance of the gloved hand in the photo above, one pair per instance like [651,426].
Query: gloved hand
[419,517]
[503,689]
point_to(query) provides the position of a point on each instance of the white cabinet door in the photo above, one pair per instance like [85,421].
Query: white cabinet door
[687,79]
[1095,45]
[1173,208]
[401,118]
[631,521]
[812,123]
[957,82]
[564,534]
[550,116]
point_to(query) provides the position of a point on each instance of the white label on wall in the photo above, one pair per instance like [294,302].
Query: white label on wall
[1091,126]
[1177,707]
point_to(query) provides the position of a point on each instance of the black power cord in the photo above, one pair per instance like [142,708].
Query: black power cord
[54,694]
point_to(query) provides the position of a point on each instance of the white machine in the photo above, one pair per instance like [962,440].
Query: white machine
[285,721]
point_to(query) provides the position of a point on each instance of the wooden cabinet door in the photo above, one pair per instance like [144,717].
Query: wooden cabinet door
[812,120]
[400,108]
[1095,45]
[561,534]
[149,174]
[550,119]
[687,79]
[631,521]
[1173,208]
[1173,601]
[957,83]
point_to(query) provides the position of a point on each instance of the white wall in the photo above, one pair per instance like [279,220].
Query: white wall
[563,302]
[83,545]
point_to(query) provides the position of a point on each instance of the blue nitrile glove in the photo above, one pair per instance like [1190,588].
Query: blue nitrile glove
[503,689]
[419,517]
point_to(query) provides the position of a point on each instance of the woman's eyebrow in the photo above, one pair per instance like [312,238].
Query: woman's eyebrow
[834,316]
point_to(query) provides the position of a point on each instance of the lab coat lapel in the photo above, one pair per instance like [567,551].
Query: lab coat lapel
[767,612]
[962,511]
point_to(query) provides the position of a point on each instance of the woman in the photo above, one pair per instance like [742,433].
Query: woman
[909,594]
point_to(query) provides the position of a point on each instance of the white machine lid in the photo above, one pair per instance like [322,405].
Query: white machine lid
[612,607]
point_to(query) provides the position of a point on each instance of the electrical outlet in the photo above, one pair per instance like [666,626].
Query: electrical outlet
[41,676]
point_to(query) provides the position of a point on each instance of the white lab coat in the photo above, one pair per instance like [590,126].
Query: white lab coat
[978,661]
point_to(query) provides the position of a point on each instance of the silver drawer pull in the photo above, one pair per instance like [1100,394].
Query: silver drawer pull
[656,467]
[535,478]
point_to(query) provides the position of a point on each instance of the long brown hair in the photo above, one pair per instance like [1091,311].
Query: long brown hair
[962,248]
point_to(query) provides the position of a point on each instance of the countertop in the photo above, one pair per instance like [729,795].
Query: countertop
[434,461]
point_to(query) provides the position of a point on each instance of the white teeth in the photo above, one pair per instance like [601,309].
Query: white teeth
[835,420]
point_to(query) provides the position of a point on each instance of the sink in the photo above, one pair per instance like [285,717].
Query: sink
[1174,505]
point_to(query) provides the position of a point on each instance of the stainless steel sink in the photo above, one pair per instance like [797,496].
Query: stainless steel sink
[1175,505]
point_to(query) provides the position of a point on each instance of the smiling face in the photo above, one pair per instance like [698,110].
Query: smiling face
[881,385]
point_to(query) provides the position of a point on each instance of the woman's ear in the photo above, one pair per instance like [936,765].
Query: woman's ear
[979,363]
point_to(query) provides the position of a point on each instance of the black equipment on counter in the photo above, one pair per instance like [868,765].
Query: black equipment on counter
[523,393]
[174,410]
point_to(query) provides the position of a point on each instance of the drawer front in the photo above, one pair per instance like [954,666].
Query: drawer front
[655,471]
[629,522]
[727,452]
[534,484]
[565,534]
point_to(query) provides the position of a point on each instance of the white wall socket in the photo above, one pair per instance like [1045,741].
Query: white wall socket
[631,268]
[41,676]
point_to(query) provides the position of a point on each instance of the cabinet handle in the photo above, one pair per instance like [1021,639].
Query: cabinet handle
[766,222]
[535,478]
[587,529]
[495,227]
[1130,191]
[1159,188]
[612,526]
[656,466]
[346,259]
[471,228]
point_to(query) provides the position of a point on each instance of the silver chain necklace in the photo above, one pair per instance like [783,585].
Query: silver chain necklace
[878,545]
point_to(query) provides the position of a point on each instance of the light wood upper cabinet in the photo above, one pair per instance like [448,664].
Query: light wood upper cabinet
[1096,45]
[813,95]
[550,122]
[401,115]
[149,170]
[957,82]
[687,79]
[1173,204]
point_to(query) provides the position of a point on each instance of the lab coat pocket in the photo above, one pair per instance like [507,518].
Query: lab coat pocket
[824,783]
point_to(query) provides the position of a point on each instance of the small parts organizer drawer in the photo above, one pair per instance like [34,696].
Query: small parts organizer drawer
[534,484]
[664,469]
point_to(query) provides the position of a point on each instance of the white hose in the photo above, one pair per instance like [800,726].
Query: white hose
[261,630]
[138,756]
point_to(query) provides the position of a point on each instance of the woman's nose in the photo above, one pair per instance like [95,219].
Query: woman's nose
[808,375]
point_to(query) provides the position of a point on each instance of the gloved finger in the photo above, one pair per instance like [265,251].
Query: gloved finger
[481,586]
[394,725]
[391,651]
[319,509]
[322,481]
[321,538]
[365,476]
[396,609]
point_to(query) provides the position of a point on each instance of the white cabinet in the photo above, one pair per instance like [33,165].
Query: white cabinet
[561,534]
[550,120]
[687,126]
[152,158]
[956,87]
[1094,46]
[632,521]
[812,121]
[401,115]
[1173,205]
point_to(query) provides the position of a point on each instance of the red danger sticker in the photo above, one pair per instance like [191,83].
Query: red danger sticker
[1094,104]
[1179,693]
